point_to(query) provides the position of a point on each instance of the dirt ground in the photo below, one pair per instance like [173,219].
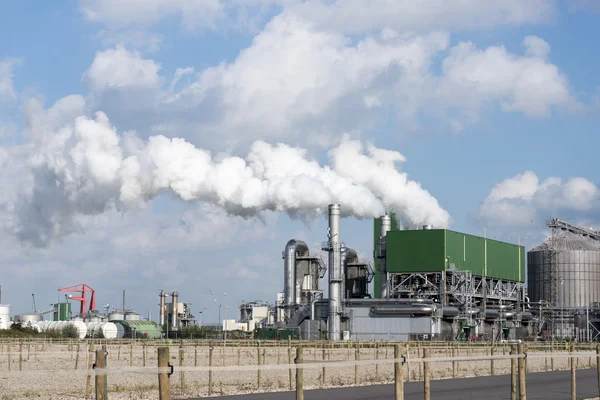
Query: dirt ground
[48,371]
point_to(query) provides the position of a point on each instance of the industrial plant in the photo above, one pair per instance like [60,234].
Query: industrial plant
[438,284]
[428,283]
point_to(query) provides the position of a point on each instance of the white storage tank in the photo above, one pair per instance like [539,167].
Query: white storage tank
[102,330]
[29,319]
[81,328]
[116,316]
[4,316]
[132,316]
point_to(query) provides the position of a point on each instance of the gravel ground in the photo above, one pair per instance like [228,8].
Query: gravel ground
[48,371]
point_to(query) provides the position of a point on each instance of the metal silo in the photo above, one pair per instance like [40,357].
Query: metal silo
[564,271]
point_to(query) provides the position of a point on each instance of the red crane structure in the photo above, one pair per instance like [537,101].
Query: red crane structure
[83,289]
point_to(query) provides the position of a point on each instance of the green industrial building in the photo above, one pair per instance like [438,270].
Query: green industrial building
[431,250]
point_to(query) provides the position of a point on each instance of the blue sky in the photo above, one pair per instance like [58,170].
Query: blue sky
[489,104]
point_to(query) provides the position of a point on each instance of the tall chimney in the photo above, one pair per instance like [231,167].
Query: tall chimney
[161,310]
[335,274]
[174,299]
[386,226]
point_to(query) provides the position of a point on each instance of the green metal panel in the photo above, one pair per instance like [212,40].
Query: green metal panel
[428,250]
[505,261]
[415,251]
[62,312]
[466,252]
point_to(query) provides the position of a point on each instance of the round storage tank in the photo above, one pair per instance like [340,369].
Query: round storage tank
[120,330]
[77,319]
[107,330]
[565,271]
[115,316]
[132,316]
[81,328]
[29,318]
[94,320]
[4,316]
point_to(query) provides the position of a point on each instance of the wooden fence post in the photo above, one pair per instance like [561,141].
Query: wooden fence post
[522,383]
[290,360]
[573,377]
[181,360]
[77,356]
[20,355]
[356,357]
[454,363]
[426,376]
[101,380]
[598,366]
[299,374]
[398,375]
[258,368]
[88,386]
[323,378]
[210,363]
[492,362]
[513,373]
[164,385]
[376,365]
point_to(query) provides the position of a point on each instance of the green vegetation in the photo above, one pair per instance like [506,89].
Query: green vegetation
[70,331]
[17,330]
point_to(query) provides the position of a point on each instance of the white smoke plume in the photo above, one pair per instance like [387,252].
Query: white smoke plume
[86,167]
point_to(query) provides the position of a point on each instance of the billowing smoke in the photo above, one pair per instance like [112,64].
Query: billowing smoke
[86,167]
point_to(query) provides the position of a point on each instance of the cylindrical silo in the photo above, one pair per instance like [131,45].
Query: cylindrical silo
[564,271]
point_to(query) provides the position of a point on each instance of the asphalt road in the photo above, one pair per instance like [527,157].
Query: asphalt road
[540,386]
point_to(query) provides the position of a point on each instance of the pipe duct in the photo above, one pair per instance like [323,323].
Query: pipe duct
[336,275]
[414,310]
[289,266]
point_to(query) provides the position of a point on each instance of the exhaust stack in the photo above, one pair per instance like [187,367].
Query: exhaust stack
[174,299]
[336,275]
[385,227]
[161,310]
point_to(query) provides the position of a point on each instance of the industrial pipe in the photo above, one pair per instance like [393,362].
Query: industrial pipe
[385,227]
[422,310]
[334,323]
[289,266]
[349,256]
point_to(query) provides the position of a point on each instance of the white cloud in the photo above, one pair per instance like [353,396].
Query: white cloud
[127,13]
[7,90]
[118,69]
[351,16]
[474,78]
[297,83]
[83,168]
[536,47]
[524,198]
[347,16]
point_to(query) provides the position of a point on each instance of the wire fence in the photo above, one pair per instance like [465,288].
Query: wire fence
[202,368]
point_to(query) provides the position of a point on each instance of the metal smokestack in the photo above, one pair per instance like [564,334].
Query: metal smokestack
[385,227]
[335,273]
[161,310]
[175,299]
